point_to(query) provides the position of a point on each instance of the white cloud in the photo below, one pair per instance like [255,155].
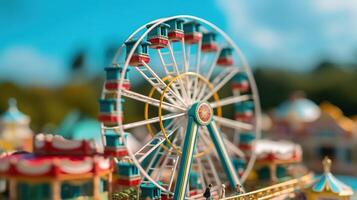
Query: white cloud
[265,39]
[28,66]
[297,32]
[332,6]
[242,23]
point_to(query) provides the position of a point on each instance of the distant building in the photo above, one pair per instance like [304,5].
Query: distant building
[60,168]
[15,132]
[78,127]
[332,135]
[277,160]
[321,130]
[57,169]
[291,116]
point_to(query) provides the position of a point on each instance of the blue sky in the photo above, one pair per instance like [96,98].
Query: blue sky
[38,38]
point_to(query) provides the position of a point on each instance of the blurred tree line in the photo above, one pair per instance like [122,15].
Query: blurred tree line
[328,81]
[48,106]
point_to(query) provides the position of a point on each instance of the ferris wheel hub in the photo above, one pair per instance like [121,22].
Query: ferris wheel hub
[202,113]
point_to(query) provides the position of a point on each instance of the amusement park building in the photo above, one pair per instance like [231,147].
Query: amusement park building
[15,132]
[58,169]
[321,130]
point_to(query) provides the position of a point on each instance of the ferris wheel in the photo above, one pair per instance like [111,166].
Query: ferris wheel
[199,103]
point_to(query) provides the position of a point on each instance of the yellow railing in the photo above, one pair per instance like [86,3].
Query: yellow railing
[277,190]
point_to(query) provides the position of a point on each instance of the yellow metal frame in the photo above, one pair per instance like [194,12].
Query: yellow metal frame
[284,188]
[215,97]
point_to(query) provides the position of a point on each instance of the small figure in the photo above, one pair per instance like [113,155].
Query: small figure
[223,191]
[207,193]
[239,189]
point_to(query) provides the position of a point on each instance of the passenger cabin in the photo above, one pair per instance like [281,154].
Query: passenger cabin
[113,75]
[176,30]
[150,191]
[158,36]
[194,181]
[239,165]
[225,57]
[126,175]
[245,141]
[115,144]
[244,111]
[209,42]
[240,82]
[109,113]
[140,54]
[192,32]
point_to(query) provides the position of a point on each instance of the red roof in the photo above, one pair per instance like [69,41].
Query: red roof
[55,156]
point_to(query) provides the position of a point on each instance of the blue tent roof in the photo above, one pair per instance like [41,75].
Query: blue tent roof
[301,109]
[87,129]
[328,182]
[75,126]
[13,114]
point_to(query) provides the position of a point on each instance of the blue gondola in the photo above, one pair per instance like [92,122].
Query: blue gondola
[158,37]
[239,165]
[243,107]
[110,111]
[240,82]
[209,43]
[194,180]
[115,144]
[176,29]
[150,191]
[244,111]
[113,78]
[141,53]
[127,174]
[225,57]
[246,140]
[192,32]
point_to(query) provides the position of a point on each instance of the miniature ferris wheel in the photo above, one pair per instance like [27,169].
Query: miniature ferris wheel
[201,109]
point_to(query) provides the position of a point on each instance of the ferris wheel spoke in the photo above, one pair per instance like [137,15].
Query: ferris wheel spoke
[221,80]
[170,162]
[210,171]
[154,143]
[160,158]
[223,153]
[198,56]
[201,172]
[186,68]
[169,73]
[184,56]
[188,56]
[209,73]
[182,87]
[233,124]
[198,65]
[230,100]
[152,120]
[188,80]
[142,98]
[157,158]
[233,148]
[159,84]
[213,64]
